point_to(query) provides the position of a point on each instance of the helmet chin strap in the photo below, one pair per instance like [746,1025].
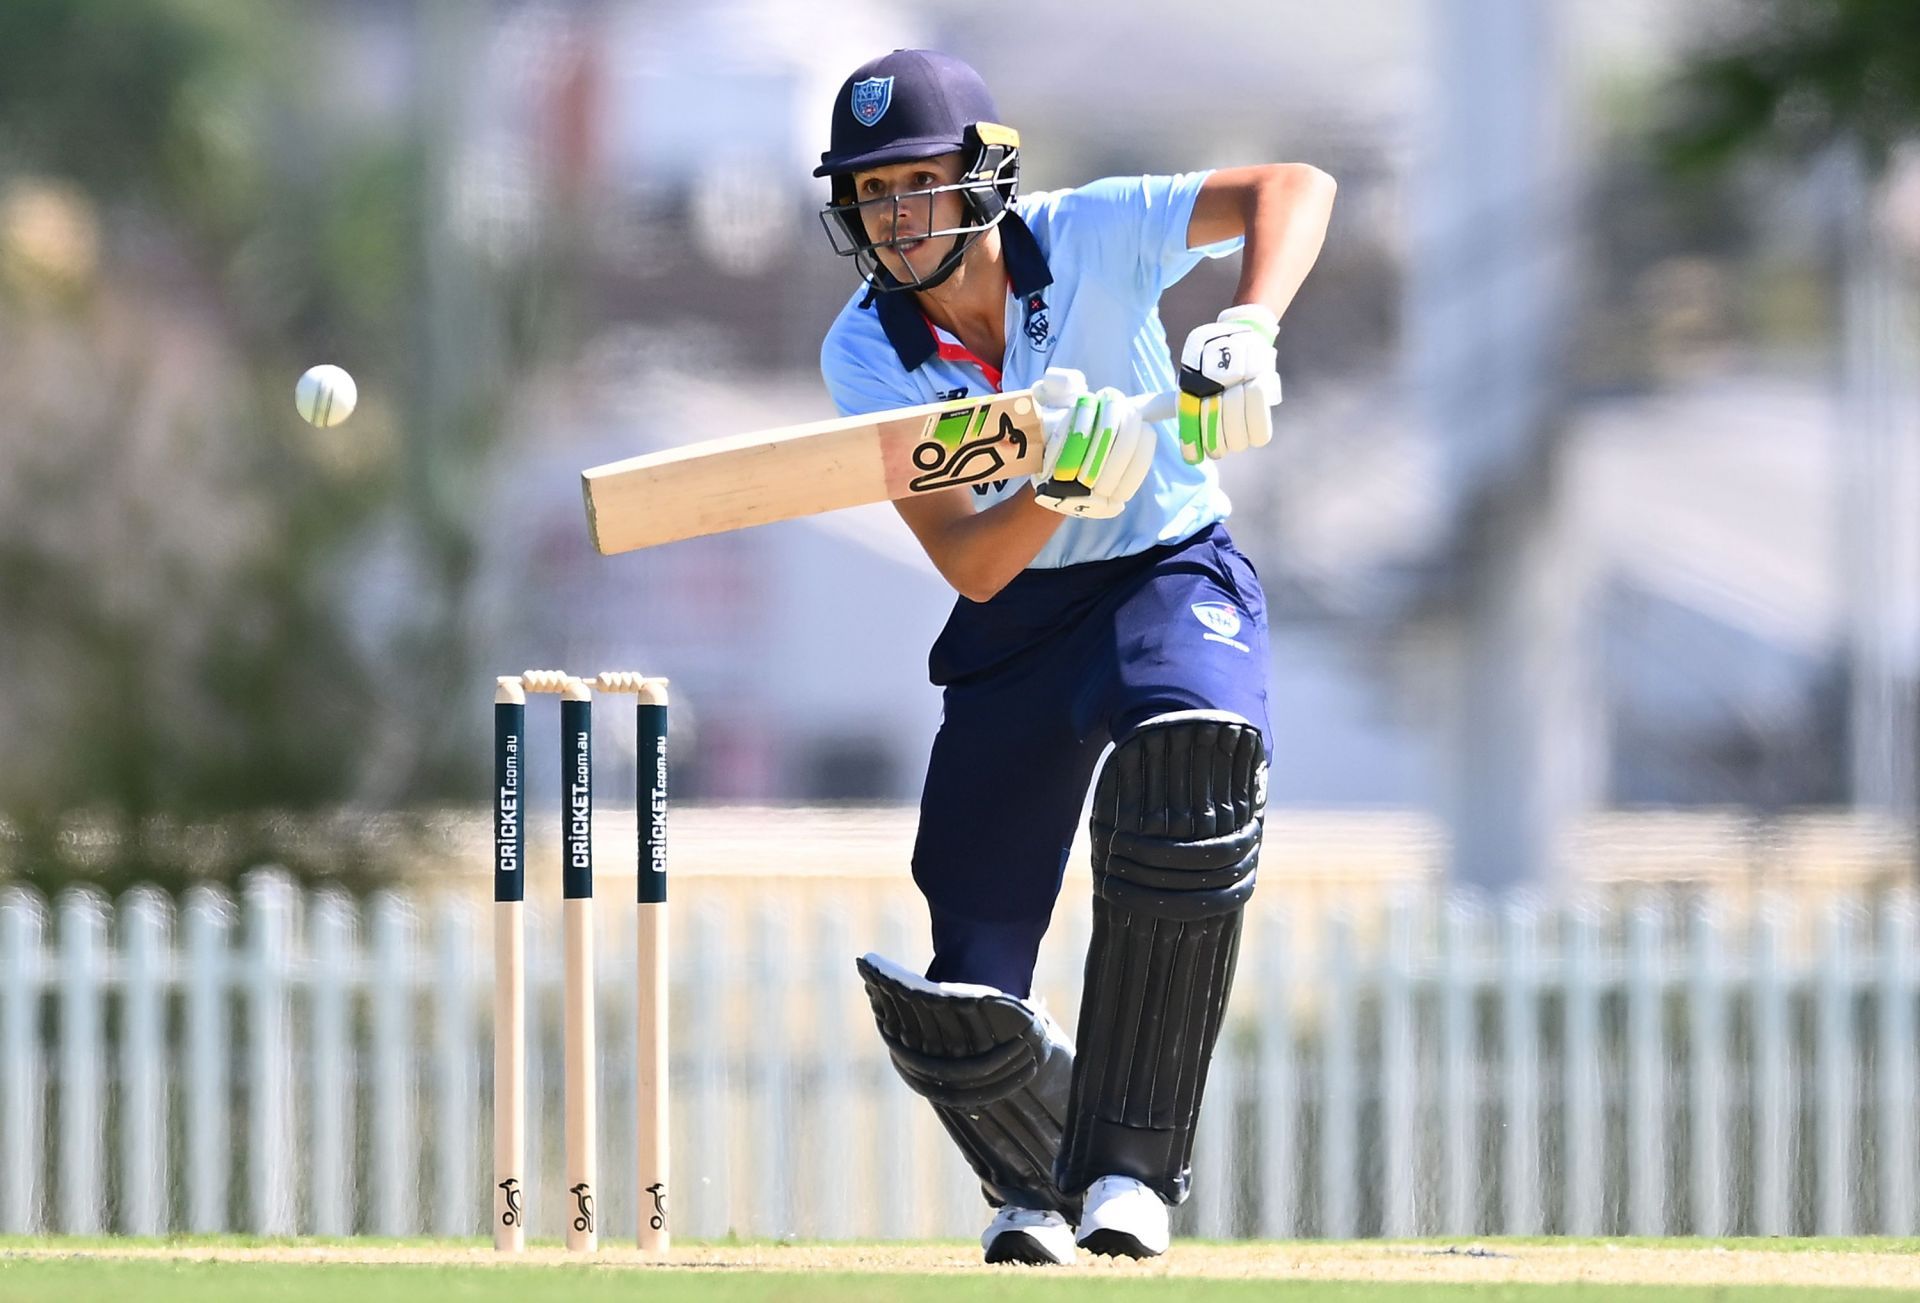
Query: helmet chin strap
[882,281]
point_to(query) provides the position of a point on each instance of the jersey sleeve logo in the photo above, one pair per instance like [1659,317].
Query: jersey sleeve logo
[871,99]
[1038,328]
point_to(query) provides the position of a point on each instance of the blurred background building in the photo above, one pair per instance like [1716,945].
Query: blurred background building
[1594,489]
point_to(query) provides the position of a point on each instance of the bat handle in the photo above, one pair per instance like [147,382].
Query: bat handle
[1164,407]
[1159,407]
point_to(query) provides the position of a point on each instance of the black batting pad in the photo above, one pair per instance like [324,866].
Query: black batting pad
[1177,815]
[995,1069]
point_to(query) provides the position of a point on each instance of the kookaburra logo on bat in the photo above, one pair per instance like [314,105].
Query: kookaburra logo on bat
[958,451]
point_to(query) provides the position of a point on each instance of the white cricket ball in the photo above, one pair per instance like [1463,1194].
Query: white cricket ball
[325,395]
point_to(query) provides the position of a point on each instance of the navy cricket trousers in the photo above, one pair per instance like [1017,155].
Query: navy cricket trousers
[1038,681]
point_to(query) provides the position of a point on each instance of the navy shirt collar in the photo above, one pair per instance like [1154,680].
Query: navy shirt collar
[906,326]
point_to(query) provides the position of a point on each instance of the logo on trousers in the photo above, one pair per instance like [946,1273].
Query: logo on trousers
[1218,616]
[659,1218]
[582,1207]
[510,1215]
[1223,623]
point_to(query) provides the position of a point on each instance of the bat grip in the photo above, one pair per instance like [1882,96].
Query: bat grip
[1159,407]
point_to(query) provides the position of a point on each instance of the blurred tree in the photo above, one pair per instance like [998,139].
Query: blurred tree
[126,97]
[182,230]
[1842,77]
[1801,74]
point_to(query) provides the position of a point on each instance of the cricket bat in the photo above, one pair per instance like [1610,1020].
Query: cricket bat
[800,470]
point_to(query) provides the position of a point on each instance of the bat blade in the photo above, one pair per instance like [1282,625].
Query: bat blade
[800,470]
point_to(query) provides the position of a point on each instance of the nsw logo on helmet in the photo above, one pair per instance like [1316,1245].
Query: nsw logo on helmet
[871,99]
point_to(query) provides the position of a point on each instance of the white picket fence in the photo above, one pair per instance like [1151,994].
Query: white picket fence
[293,1063]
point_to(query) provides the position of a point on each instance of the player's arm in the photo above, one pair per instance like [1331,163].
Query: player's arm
[1282,209]
[1228,378]
[1098,449]
[978,552]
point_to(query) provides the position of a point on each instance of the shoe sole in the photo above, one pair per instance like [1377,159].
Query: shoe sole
[1018,1246]
[1116,1244]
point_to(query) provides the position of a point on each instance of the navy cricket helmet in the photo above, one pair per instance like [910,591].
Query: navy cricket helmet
[907,105]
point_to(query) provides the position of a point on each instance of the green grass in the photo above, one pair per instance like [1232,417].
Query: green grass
[75,1280]
[80,1279]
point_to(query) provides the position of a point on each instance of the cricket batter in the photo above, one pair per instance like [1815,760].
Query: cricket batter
[1103,602]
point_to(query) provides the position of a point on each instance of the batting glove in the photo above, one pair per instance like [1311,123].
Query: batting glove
[1228,384]
[1098,449]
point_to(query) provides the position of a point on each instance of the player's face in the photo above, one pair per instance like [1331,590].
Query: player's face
[904,226]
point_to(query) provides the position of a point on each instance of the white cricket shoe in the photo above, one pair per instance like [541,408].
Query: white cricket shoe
[1123,1218]
[1032,1235]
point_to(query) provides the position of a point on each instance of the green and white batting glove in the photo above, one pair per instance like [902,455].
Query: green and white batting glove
[1098,449]
[1228,384]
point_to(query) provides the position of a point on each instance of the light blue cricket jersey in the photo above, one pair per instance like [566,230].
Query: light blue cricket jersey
[1086,268]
